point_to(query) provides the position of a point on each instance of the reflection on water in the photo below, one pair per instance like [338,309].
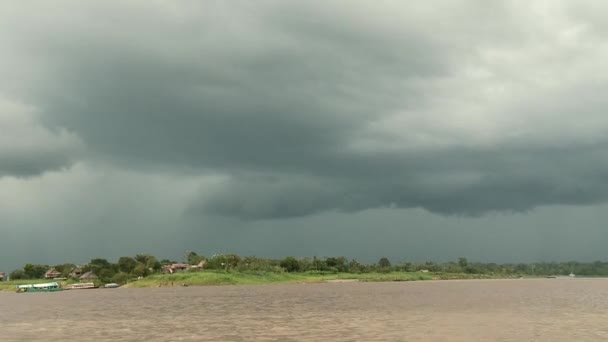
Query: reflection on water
[507,310]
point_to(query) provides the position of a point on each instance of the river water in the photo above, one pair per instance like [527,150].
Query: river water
[468,310]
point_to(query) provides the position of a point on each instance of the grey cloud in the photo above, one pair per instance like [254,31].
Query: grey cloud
[257,197]
[89,211]
[454,182]
[327,106]
[33,163]
[28,149]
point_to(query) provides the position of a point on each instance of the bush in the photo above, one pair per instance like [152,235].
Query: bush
[223,261]
[384,263]
[120,278]
[17,275]
[290,264]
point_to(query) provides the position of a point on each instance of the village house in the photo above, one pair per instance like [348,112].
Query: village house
[174,268]
[183,267]
[87,277]
[199,266]
[52,274]
[1,276]
[76,272]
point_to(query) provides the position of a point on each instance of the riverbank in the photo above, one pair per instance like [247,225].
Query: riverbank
[209,278]
[258,278]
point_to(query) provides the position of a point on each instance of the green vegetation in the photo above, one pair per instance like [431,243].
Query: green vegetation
[255,278]
[144,270]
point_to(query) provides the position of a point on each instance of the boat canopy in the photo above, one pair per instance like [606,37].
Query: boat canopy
[38,286]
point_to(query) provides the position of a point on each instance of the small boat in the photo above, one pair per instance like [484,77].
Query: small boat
[81,286]
[111,286]
[571,275]
[46,287]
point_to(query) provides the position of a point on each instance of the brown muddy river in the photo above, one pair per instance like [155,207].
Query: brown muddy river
[503,310]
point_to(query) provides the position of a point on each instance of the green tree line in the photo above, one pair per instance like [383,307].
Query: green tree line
[141,265]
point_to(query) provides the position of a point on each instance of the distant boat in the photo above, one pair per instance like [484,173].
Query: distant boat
[572,275]
[45,287]
[81,286]
[111,286]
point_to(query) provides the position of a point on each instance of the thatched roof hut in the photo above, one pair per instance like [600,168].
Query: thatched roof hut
[76,272]
[88,276]
[200,266]
[174,268]
[52,274]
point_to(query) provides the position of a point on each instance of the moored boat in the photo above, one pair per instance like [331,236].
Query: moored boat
[45,287]
[111,286]
[81,286]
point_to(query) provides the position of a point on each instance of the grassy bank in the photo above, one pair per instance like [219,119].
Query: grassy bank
[210,277]
[255,278]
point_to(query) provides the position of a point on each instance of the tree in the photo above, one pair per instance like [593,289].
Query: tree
[355,266]
[120,278]
[17,275]
[105,275]
[153,264]
[318,264]
[252,263]
[148,261]
[290,264]
[100,263]
[142,258]
[463,262]
[223,261]
[32,271]
[102,268]
[384,262]
[193,259]
[140,270]
[126,264]
[338,264]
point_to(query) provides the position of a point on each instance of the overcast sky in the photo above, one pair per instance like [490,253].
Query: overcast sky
[413,130]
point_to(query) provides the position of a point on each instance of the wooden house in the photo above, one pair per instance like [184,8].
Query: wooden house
[88,277]
[52,274]
[76,272]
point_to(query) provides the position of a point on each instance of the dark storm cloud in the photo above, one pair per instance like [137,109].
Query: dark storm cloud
[453,182]
[274,94]
[28,149]
[327,105]
[32,164]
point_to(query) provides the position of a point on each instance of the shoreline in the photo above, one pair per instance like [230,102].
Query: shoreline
[235,278]
[222,278]
[136,285]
